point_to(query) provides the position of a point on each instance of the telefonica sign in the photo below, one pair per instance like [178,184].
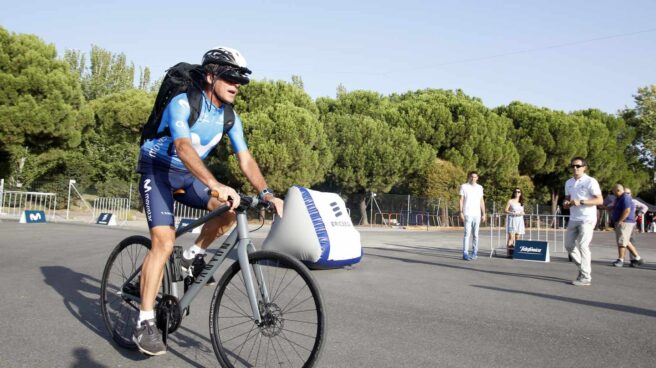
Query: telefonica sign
[529,250]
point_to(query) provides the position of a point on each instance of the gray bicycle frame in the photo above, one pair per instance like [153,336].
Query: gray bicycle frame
[239,237]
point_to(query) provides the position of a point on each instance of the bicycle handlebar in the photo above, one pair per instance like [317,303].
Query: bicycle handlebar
[246,203]
[254,202]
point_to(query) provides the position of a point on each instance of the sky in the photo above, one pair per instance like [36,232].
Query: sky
[564,55]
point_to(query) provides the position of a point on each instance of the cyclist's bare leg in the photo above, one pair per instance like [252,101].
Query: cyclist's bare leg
[216,227]
[163,238]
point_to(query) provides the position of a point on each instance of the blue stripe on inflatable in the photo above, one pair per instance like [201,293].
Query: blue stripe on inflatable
[333,263]
[319,227]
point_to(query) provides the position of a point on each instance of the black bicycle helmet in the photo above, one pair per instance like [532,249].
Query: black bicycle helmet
[231,64]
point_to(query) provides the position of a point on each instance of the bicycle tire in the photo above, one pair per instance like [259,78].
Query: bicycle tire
[119,314]
[296,312]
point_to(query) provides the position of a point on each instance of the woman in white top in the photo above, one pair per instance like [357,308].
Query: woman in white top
[514,220]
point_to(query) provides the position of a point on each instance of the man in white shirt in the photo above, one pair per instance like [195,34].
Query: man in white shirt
[472,211]
[582,196]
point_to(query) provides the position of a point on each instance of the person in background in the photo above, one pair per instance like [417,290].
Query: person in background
[582,195]
[640,210]
[607,207]
[514,220]
[649,221]
[472,211]
[624,219]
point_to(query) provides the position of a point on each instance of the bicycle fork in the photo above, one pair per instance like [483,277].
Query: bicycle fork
[244,248]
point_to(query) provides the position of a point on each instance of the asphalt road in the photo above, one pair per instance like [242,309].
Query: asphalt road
[411,302]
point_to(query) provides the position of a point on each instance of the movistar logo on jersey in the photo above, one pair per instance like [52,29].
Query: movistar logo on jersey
[147,187]
[203,149]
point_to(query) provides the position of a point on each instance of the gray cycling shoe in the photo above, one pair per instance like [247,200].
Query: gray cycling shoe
[148,338]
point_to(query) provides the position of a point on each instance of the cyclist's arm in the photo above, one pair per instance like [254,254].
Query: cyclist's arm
[252,172]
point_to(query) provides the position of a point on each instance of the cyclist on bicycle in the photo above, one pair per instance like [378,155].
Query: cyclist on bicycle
[173,165]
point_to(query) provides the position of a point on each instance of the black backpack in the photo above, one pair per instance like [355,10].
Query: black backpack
[181,78]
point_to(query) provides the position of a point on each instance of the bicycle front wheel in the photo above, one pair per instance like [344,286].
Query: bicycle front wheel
[119,289]
[292,327]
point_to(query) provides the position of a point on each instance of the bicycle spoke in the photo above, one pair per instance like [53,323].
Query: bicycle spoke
[238,324]
[248,337]
[297,304]
[283,351]
[291,344]
[259,347]
[298,333]
[301,311]
[238,336]
[257,336]
[276,293]
[241,311]
[286,286]
[298,321]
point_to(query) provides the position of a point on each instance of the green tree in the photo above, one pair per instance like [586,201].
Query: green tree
[371,156]
[289,145]
[297,81]
[611,149]
[41,103]
[111,144]
[259,95]
[282,128]
[106,73]
[365,103]
[144,79]
[546,140]
[643,119]
[462,131]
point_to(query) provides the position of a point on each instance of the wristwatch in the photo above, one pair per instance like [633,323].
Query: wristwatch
[264,192]
[581,202]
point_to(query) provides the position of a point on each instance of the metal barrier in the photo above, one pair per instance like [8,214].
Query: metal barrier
[13,203]
[386,219]
[181,210]
[549,228]
[119,207]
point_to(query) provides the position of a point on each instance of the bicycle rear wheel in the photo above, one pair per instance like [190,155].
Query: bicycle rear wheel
[293,326]
[119,308]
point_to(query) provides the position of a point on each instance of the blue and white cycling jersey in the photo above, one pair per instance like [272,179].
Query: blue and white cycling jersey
[205,134]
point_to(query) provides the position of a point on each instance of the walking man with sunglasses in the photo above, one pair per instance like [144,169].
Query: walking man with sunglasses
[582,196]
